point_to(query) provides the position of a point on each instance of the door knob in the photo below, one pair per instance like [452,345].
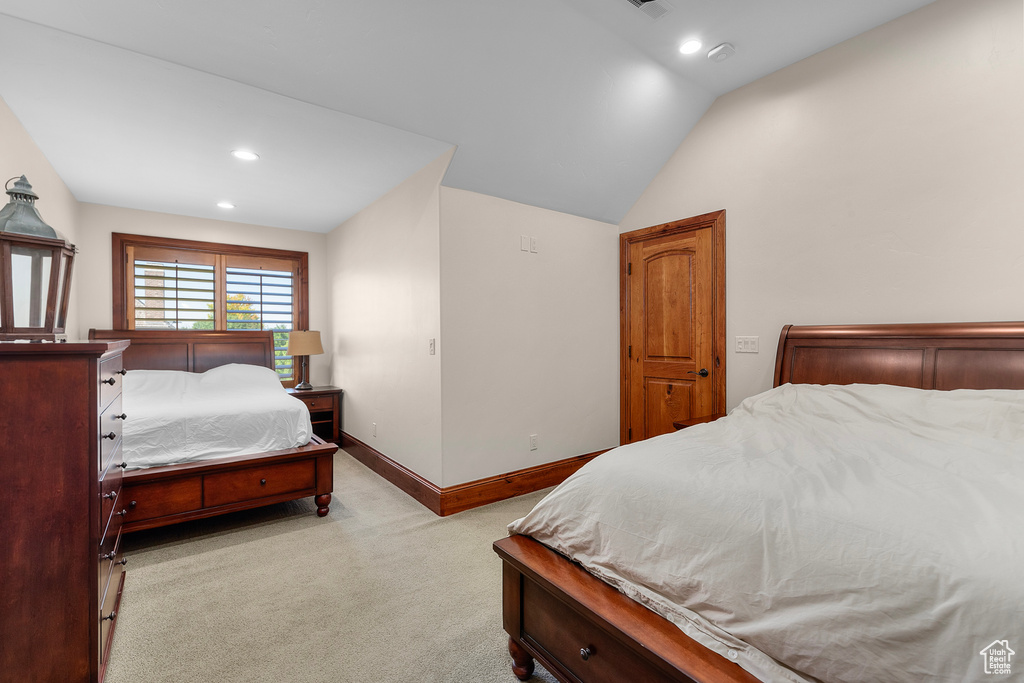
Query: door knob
[703,372]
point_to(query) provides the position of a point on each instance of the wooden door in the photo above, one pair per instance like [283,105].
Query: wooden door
[673,324]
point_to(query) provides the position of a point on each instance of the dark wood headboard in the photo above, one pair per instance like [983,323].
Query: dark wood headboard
[925,356]
[191,350]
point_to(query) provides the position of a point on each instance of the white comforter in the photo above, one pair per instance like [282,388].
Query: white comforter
[176,417]
[859,533]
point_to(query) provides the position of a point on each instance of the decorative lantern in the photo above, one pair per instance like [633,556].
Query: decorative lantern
[35,270]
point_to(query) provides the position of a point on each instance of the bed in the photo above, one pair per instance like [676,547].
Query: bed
[581,628]
[167,494]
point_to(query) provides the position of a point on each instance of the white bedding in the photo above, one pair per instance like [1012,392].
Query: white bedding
[858,533]
[176,417]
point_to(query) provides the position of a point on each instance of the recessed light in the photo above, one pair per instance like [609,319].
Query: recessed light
[225,205]
[690,46]
[246,155]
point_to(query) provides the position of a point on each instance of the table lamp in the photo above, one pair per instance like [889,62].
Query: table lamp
[304,344]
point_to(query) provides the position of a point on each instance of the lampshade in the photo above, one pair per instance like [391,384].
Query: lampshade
[304,343]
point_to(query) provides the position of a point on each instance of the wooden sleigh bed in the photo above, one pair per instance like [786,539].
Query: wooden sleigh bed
[158,496]
[583,630]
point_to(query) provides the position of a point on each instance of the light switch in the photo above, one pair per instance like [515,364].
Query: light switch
[524,243]
[746,344]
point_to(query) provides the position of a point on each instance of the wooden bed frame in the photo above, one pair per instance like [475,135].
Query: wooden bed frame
[158,496]
[583,630]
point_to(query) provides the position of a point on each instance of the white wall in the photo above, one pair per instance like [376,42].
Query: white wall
[93,267]
[385,304]
[530,340]
[19,156]
[878,181]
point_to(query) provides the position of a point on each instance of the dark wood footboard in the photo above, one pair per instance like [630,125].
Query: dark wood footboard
[158,496]
[582,629]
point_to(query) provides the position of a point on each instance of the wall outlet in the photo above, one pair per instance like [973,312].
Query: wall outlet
[533,442]
[374,429]
[524,243]
[533,245]
[433,348]
[746,344]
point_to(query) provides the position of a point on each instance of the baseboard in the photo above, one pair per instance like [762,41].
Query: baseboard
[491,490]
[416,486]
[452,499]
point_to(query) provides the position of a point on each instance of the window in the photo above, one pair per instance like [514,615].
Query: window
[170,284]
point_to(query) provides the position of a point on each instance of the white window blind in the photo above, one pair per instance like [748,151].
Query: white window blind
[260,299]
[173,296]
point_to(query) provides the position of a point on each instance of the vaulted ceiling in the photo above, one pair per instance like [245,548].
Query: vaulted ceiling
[571,105]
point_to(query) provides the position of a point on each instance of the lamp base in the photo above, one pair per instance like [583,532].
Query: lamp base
[304,384]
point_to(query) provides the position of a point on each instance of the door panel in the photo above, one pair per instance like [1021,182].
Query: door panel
[668,279]
[666,400]
[673,303]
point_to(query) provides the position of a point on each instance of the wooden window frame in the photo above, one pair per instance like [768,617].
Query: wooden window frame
[123,243]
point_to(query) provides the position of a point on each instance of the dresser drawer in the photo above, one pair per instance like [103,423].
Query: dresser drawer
[109,557]
[317,403]
[162,498]
[110,379]
[109,543]
[110,431]
[110,603]
[258,482]
[110,496]
[557,630]
[112,525]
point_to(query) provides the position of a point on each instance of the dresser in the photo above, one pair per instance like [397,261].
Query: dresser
[61,569]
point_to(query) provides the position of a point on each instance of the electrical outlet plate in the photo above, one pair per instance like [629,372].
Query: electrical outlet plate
[433,347]
[524,243]
[533,442]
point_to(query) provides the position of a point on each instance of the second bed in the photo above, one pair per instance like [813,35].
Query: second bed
[208,429]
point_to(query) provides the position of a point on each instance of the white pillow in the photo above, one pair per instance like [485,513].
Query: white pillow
[240,376]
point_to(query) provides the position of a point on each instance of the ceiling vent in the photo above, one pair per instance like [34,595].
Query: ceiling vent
[655,9]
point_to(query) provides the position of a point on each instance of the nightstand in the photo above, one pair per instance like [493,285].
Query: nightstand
[683,424]
[324,404]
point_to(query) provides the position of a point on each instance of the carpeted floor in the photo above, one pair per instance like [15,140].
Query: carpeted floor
[379,591]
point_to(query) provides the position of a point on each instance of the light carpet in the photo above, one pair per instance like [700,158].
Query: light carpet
[379,591]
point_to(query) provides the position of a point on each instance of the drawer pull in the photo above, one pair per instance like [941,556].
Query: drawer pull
[123,465]
[110,617]
[108,556]
[109,380]
[122,416]
[263,482]
[122,513]
[110,436]
[121,372]
[110,496]
[586,653]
